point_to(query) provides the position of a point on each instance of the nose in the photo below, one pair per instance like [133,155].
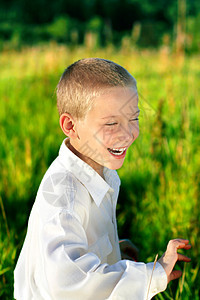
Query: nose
[125,135]
[128,133]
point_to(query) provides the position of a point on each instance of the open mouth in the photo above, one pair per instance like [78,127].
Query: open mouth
[117,152]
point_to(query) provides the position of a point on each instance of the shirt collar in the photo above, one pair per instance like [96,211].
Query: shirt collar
[94,183]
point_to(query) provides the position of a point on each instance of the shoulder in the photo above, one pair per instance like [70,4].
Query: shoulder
[59,190]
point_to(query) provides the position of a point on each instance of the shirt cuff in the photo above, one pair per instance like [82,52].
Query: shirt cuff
[159,279]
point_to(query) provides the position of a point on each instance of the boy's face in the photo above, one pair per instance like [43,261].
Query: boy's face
[108,129]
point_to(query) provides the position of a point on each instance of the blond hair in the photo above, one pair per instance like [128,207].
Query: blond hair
[86,79]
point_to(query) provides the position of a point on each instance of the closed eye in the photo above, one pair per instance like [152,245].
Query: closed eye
[135,119]
[115,123]
[111,124]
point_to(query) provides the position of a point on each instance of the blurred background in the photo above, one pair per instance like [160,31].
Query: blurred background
[158,42]
[146,23]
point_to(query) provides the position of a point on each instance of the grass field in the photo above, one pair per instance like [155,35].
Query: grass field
[160,190]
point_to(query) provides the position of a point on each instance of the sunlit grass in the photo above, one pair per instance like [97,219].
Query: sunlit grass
[160,177]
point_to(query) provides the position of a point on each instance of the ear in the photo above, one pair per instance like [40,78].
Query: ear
[67,124]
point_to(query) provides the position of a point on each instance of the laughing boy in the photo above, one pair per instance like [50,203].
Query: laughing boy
[71,250]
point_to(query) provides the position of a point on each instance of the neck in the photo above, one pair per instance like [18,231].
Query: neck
[97,167]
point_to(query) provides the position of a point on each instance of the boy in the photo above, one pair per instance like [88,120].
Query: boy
[71,250]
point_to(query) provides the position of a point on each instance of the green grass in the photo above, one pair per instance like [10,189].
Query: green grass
[160,177]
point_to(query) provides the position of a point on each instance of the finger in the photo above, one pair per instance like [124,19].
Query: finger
[174,275]
[179,241]
[184,246]
[186,241]
[126,243]
[173,245]
[182,241]
[182,257]
[187,246]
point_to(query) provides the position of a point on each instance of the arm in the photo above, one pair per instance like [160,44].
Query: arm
[73,272]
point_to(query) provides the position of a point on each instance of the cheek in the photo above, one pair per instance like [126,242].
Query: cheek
[104,136]
[136,134]
[136,131]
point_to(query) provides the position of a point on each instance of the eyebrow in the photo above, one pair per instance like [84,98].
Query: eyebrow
[130,114]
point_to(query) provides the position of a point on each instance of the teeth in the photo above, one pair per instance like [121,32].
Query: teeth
[119,151]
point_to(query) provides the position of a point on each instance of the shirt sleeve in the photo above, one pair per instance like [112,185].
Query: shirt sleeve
[72,272]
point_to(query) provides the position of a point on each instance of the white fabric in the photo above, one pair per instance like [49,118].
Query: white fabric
[71,250]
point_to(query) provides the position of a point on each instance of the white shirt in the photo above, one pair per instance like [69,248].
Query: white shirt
[71,250]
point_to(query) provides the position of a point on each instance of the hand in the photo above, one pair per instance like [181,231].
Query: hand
[128,250]
[170,257]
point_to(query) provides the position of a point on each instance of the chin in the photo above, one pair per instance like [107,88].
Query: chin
[115,166]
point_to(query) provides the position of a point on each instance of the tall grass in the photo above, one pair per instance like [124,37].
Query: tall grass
[160,177]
